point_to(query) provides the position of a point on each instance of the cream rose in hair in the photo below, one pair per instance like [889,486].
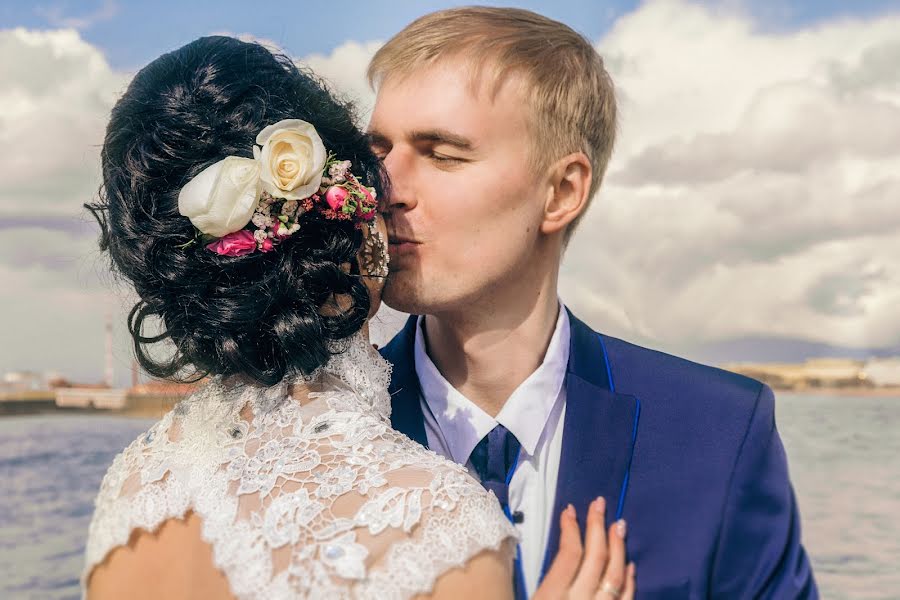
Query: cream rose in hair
[221,199]
[292,157]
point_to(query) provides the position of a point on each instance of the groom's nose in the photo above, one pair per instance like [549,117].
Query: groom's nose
[401,171]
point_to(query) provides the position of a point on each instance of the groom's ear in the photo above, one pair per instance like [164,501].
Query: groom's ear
[568,183]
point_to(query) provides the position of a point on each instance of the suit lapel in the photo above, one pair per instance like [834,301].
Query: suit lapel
[598,435]
[406,408]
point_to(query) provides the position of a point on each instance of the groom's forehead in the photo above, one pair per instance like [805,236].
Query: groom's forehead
[446,93]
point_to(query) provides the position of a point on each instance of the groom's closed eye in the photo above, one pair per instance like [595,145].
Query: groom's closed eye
[444,159]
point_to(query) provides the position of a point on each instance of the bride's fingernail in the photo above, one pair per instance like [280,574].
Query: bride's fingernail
[570,511]
[599,504]
[620,528]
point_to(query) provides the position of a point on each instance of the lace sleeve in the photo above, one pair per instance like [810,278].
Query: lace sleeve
[138,491]
[459,519]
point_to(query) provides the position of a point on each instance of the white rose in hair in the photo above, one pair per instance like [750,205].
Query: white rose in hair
[292,157]
[221,199]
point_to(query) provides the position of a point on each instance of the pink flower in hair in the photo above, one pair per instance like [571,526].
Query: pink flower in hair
[336,197]
[266,245]
[237,243]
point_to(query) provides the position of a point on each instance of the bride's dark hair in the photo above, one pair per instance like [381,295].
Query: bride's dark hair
[258,315]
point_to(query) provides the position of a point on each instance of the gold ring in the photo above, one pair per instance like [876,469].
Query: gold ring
[610,589]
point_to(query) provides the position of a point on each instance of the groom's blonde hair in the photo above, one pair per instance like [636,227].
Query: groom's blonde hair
[571,96]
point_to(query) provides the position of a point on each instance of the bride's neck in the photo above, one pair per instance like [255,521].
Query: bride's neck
[299,390]
[240,379]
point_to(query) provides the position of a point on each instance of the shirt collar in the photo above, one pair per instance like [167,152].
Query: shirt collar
[525,413]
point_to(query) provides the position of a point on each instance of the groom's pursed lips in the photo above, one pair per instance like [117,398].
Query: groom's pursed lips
[401,243]
[398,229]
[396,238]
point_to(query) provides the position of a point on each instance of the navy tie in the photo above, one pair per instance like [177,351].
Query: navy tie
[494,459]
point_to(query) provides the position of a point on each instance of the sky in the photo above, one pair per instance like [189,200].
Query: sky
[753,190]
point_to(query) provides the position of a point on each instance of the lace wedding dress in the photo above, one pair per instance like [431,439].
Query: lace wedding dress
[310,497]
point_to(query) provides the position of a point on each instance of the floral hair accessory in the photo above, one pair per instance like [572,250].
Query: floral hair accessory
[243,205]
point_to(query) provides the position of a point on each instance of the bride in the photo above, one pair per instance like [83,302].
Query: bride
[238,199]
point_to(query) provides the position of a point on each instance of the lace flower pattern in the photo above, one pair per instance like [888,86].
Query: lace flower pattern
[313,497]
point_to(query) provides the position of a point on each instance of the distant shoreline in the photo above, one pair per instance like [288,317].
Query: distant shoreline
[867,392]
[147,407]
[155,410]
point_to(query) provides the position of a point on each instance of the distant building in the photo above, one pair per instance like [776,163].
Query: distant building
[22,381]
[814,373]
[151,398]
[24,392]
[883,371]
[91,397]
[62,382]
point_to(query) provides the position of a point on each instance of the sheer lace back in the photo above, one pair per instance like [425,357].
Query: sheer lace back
[304,489]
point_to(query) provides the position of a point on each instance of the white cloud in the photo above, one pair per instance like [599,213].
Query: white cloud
[56,98]
[755,183]
[56,16]
[345,69]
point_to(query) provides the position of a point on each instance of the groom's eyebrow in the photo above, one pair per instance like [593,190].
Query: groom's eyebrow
[432,136]
[442,136]
[377,139]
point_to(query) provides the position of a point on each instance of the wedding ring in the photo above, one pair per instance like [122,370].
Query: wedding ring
[610,589]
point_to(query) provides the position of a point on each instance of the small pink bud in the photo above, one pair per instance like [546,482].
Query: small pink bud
[366,208]
[336,197]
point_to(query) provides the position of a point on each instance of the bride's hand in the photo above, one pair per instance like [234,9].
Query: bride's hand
[596,571]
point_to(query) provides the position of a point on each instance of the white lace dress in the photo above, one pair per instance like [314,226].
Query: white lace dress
[313,497]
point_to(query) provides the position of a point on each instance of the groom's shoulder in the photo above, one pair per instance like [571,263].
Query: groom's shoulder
[633,360]
[396,346]
[659,377]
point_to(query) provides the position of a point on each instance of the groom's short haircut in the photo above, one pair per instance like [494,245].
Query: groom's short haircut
[571,95]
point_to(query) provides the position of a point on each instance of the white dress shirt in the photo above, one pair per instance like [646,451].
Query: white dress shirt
[534,413]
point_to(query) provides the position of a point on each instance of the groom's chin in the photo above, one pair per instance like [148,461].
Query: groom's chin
[396,293]
[403,292]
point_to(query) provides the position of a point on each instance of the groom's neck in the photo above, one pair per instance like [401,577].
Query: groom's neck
[487,352]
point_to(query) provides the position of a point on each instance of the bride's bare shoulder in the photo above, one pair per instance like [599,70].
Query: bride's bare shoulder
[173,562]
[485,576]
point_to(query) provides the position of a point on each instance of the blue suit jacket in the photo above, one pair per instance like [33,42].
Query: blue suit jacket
[688,454]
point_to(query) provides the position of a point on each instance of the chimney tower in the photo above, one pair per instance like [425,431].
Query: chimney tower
[108,379]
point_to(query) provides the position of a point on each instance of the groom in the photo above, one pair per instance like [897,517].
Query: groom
[496,126]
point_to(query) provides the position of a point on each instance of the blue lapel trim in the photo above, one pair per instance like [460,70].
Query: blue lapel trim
[599,434]
[406,407]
